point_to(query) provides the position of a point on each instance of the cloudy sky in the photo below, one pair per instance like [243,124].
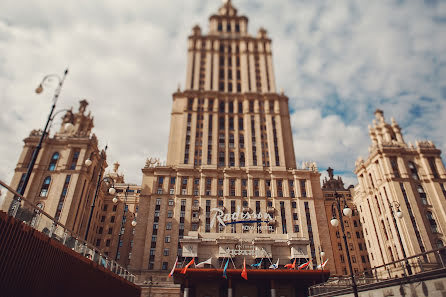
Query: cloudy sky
[336,60]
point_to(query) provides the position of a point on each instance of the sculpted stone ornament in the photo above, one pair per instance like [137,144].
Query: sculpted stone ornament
[152,162]
[35,132]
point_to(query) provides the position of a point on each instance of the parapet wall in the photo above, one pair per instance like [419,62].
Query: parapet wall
[32,264]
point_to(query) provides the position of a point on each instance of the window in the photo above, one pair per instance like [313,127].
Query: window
[433,167]
[164,267]
[102,219]
[293,205]
[152,252]
[167,239]
[339,247]
[53,162]
[74,159]
[169,214]
[296,228]
[422,194]
[115,207]
[394,163]
[112,219]
[302,188]
[107,243]
[153,238]
[171,202]
[45,187]
[169,226]
[432,222]
[295,217]
[110,230]
[158,201]
[166,252]
[413,170]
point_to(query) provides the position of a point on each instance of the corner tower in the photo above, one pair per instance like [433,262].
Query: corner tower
[400,176]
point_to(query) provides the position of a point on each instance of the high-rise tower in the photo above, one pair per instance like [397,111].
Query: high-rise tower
[399,176]
[230,159]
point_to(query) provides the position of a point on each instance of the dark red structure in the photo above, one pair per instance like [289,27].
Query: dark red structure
[261,282]
[31,264]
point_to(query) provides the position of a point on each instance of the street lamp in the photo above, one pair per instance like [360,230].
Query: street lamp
[111,190]
[335,223]
[39,90]
[115,200]
[395,205]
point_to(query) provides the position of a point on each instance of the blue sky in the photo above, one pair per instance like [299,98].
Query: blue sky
[336,60]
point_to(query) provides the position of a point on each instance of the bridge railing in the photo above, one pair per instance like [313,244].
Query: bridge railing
[30,214]
[409,269]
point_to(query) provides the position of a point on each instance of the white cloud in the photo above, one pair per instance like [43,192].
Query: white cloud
[336,60]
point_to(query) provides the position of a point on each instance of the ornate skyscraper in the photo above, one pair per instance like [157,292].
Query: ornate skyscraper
[398,176]
[230,181]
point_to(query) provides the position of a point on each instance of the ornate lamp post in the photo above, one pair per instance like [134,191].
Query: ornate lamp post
[346,211]
[39,90]
[394,205]
[115,200]
[111,190]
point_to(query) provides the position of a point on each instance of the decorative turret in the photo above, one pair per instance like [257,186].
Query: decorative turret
[332,183]
[82,124]
[382,133]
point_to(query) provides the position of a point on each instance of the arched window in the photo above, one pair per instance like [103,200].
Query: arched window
[432,222]
[422,194]
[45,186]
[53,162]
[413,170]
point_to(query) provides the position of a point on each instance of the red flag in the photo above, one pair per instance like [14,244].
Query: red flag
[183,271]
[244,272]
[291,266]
[304,265]
[173,269]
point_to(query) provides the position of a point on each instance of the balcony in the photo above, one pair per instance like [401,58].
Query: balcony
[195,207]
[270,209]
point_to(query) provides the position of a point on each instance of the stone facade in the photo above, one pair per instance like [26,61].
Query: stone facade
[353,228]
[399,176]
[114,231]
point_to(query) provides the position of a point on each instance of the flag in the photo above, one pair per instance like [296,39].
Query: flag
[187,266]
[224,270]
[321,266]
[244,273]
[291,266]
[275,266]
[201,264]
[257,264]
[174,266]
[305,265]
